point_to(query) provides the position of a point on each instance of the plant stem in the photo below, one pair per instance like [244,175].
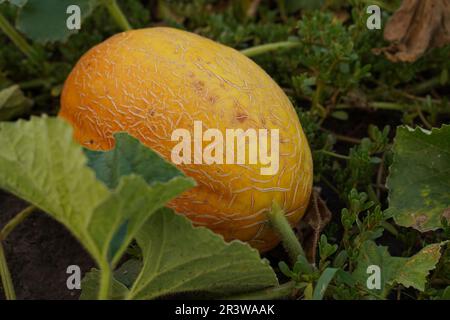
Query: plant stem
[105,282]
[14,222]
[333,154]
[426,86]
[117,14]
[264,48]
[278,292]
[329,184]
[390,228]
[5,275]
[35,83]
[391,106]
[424,120]
[18,40]
[342,137]
[281,225]
[8,286]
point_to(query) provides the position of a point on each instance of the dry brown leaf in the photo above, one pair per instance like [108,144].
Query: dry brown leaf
[316,218]
[418,25]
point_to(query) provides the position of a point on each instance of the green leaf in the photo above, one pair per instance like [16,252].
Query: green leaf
[419,179]
[122,280]
[284,268]
[91,283]
[410,272]
[40,162]
[323,282]
[128,157]
[446,294]
[181,258]
[13,103]
[302,266]
[413,272]
[308,293]
[128,272]
[45,21]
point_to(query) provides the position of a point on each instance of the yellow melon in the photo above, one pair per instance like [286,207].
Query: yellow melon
[151,82]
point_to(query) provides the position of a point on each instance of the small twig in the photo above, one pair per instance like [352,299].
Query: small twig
[342,137]
[333,154]
[329,184]
[264,48]
[426,86]
[424,119]
[390,106]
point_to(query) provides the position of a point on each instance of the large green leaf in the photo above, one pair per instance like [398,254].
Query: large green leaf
[419,179]
[410,272]
[45,21]
[13,103]
[180,258]
[40,162]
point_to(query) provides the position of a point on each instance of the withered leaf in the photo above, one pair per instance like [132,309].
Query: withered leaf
[416,27]
[316,218]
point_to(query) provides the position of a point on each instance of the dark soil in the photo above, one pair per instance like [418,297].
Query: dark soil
[38,253]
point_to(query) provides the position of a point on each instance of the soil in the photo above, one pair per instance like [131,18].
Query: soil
[38,252]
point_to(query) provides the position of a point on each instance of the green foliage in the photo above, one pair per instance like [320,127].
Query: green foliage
[178,258]
[55,178]
[45,21]
[419,180]
[411,271]
[105,215]
[327,49]
[350,102]
[13,103]
[363,160]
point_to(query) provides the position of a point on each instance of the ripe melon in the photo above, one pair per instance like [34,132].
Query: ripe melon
[150,82]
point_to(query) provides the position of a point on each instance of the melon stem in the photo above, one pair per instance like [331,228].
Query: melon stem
[281,225]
